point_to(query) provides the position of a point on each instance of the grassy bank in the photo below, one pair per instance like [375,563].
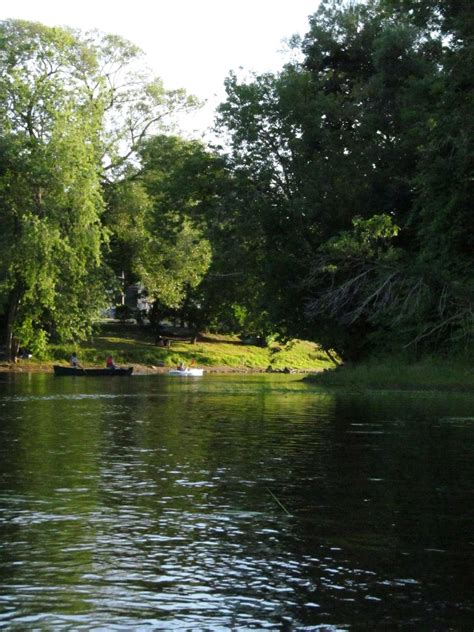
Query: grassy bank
[433,374]
[131,345]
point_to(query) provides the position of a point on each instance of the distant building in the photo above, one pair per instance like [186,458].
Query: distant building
[135,297]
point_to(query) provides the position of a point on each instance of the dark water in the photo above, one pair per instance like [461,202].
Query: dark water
[233,503]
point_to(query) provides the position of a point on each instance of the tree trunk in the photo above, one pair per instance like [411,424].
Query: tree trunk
[11,344]
[331,356]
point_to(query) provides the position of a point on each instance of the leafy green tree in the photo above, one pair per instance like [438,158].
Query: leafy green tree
[168,267]
[353,131]
[154,239]
[171,223]
[74,110]
[442,210]
[427,292]
[50,199]
[135,103]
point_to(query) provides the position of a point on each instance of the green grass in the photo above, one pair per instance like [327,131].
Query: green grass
[430,373]
[131,345]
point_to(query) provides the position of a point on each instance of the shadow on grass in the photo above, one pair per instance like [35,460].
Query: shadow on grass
[218,341]
[105,342]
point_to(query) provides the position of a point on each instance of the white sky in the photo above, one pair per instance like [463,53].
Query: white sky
[191,44]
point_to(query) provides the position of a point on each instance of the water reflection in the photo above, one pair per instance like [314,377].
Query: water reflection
[232,502]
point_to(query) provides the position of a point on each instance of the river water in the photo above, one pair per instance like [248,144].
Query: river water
[233,502]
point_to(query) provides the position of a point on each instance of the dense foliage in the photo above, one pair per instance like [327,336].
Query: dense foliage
[338,209]
[361,156]
[73,111]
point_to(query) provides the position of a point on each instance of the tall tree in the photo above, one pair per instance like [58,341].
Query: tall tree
[74,109]
[50,199]
[423,297]
[156,239]
[193,184]
[344,143]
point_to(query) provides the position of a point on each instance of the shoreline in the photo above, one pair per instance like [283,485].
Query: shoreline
[396,375]
[130,345]
[323,378]
[144,369]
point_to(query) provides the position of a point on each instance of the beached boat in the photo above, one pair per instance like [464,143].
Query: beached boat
[70,370]
[186,372]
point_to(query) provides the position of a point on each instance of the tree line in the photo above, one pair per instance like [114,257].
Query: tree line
[337,208]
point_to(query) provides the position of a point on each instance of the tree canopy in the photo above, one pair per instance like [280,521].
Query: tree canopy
[338,208]
[73,112]
[361,155]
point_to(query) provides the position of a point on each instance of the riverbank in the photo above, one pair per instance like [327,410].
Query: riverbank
[429,374]
[144,369]
[131,345]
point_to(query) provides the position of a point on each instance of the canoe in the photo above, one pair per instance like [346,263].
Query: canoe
[186,372]
[70,370]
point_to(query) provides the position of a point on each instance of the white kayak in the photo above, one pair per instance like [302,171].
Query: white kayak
[186,372]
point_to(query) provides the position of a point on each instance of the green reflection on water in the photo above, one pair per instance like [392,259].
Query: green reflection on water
[153,487]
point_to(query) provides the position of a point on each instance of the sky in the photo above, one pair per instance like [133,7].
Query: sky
[191,44]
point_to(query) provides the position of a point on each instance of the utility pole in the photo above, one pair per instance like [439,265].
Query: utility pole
[122,288]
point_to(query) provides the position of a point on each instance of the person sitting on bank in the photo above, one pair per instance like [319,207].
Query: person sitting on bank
[74,362]
[109,363]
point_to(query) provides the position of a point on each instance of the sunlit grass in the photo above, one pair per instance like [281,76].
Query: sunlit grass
[130,344]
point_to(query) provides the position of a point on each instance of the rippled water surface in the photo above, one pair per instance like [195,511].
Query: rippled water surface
[233,502]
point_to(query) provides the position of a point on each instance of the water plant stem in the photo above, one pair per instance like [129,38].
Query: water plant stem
[278,501]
